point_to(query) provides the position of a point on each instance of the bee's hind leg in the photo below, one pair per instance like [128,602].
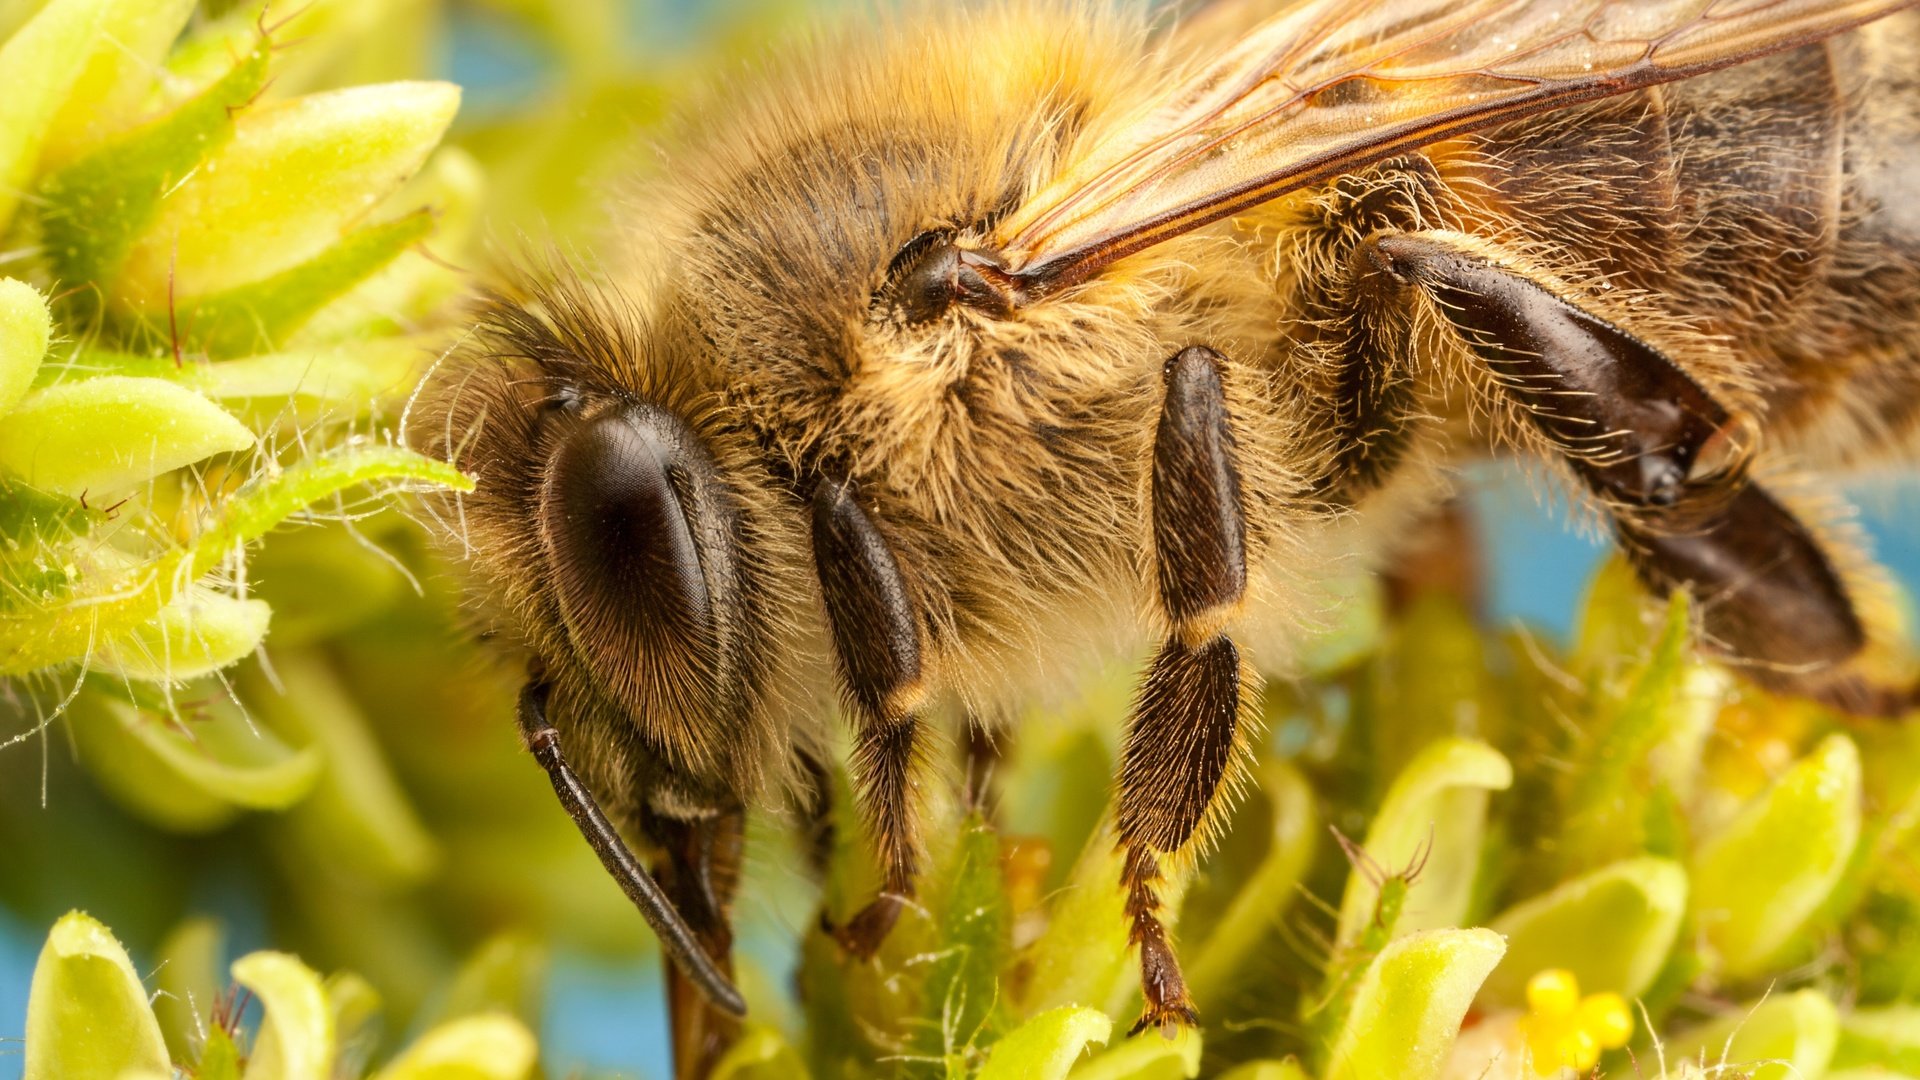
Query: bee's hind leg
[1189,717]
[1665,459]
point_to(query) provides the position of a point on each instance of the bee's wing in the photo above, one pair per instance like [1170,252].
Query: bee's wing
[1325,86]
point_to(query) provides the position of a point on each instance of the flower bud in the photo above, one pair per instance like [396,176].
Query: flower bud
[200,631]
[25,327]
[294,178]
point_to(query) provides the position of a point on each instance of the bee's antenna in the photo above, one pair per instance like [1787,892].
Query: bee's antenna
[676,937]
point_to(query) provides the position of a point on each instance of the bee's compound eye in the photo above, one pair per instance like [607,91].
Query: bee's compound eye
[619,520]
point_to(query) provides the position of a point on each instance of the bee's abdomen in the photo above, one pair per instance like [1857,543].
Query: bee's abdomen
[1870,311]
[1723,189]
[1775,204]
[1757,165]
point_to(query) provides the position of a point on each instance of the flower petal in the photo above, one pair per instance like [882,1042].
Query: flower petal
[1294,829]
[1436,810]
[1886,1036]
[295,1041]
[1760,880]
[1612,929]
[106,436]
[358,816]
[493,1047]
[761,1054]
[189,780]
[1047,1046]
[1410,1003]
[1267,1070]
[1794,1035]
[132,39]
[1152,1057]
[43,60]
[87,1014]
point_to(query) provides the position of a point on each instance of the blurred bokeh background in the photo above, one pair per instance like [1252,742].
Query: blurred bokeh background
[464,880]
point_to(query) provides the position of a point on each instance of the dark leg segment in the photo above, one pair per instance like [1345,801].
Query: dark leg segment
[700,874]
[1182,734]
[1769,597]
[678,941]
[1631,422]
[985,750]
[816,813]
[876,638]
[1441,557]
[1667,460]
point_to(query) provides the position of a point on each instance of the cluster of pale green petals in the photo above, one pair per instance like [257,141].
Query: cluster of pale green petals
[191,226]
[213,305]
[89,1017]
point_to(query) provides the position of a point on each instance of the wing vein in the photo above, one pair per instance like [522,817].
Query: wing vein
[1325,86]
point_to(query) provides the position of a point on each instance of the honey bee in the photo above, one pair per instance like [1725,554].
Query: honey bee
[951,349]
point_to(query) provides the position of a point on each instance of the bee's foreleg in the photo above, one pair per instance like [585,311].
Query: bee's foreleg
[1667,461]
[700,874]
[1187,723]
[876,639]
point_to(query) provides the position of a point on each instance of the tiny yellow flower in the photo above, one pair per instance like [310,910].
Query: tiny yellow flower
[1607,1016]
[1566,1031]
[1554,992]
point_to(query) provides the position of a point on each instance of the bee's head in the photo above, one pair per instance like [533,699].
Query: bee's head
[618,528]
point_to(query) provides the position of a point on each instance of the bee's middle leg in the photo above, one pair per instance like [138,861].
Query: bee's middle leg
[1187,721]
